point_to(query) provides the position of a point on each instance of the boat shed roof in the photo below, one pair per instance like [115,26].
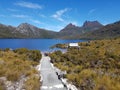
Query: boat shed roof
[73,45]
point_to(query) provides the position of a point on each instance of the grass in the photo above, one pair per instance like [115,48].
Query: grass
[13,65]
[96,66]
[33,83]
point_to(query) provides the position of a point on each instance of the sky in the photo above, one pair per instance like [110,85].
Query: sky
[56,14]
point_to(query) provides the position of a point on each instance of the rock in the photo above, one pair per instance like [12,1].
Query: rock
[3,79]
[2,62]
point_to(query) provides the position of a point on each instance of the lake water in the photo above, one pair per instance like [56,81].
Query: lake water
[39,44]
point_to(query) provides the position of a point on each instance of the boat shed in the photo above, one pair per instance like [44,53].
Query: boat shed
[73,45]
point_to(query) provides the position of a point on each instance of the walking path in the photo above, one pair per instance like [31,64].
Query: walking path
[50,80]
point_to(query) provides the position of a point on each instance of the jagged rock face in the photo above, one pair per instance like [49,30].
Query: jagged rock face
[27,29]
[34,32]
[72,30]
[91,25]
[70,27]
[92,28]
[108,31]
[87,26]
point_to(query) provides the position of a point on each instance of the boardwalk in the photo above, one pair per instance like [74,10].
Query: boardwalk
[50,79]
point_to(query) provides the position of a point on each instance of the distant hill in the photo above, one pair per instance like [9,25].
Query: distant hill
[108,31]
[25,30]
[91,25]
[89,30]
[6,31]
[70,31]
[31,31]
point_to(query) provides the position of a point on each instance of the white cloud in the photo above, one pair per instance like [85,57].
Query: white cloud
[54,27]
[91,11]
[20,16]
[27,18]
[41,15]
[58,15]
[75,23]
[13,10]
[29,5]
[35,21]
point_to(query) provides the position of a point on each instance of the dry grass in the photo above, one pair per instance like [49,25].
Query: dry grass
[96,66]
[33,83]
[14,65]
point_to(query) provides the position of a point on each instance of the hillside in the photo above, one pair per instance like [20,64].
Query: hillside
[6,31]
[91,25]
[89,30]
[31,31]
[25,30]
[95,66]
[108,31]
[70,31]
[17,69]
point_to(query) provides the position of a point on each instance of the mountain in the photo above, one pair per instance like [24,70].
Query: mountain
[31,31]
[25,30]
[6,31]
[89,30]
[69,28]
[70,31]
[91,25]
[108,31]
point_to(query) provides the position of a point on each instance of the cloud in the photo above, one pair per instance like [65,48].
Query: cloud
[27,18]
[41,15]
[29,5]
[54,27]
[35,21]
[20,16]
[13,10]
[75,23]
[91,11]
[58,15]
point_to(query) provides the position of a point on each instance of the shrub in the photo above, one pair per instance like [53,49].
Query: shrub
[21,50]
[33,83]
[106,83]
[94,67]
[13,76]
[2,86]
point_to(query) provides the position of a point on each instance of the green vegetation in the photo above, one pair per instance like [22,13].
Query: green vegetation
[33,83]
[34,55]
[18,63]
[62,46]
[96,66]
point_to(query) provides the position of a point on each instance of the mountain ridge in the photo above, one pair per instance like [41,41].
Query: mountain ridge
[71,31]
[109,31]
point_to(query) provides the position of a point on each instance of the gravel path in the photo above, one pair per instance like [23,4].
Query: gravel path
[50,80]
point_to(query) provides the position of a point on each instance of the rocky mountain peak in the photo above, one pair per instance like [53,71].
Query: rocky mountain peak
[70,25]
[24,25]
[70,29]
[25,28]
[92,24]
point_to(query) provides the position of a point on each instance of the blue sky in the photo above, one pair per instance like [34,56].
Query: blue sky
[56,14]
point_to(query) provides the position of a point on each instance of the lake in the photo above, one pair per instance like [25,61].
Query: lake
[39,44]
